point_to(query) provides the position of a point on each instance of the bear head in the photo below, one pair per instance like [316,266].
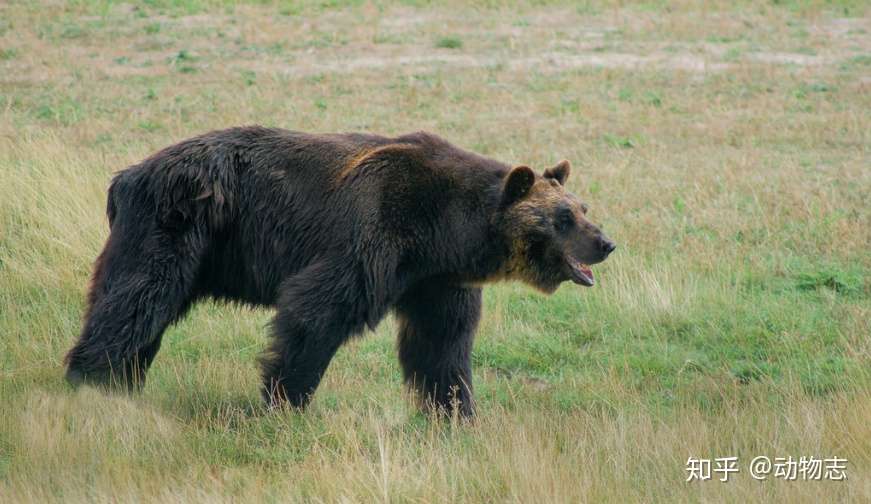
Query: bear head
[549,237]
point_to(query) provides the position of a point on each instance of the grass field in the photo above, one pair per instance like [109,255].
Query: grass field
[726,149]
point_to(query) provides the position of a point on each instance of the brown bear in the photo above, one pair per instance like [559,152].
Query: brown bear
[335,231]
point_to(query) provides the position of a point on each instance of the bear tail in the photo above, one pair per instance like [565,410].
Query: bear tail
[112,199]
[178,191]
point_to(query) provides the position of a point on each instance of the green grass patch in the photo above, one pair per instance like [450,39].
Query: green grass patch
[450,42]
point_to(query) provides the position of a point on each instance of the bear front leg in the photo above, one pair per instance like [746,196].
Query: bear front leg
[297,360]
[437,329]
[319,309]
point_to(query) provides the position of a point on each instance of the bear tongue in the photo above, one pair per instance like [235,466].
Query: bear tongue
[582,274]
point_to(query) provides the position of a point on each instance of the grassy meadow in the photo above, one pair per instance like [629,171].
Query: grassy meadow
[725,147]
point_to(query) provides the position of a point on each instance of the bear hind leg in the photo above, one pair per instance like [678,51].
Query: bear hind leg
[139,288]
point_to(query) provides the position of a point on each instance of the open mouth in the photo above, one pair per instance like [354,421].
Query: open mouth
[581,273]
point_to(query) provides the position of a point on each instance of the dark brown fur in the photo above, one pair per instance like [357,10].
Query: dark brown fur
[334,231]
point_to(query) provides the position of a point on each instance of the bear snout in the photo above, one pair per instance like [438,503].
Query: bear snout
[606,246]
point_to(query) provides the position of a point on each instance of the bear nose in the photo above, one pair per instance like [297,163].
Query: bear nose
[607,246]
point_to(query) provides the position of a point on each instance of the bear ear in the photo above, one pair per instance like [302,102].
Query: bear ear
[560,172]
[518,182]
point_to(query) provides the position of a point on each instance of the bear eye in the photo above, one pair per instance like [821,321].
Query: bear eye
[584,208]
[564,221]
